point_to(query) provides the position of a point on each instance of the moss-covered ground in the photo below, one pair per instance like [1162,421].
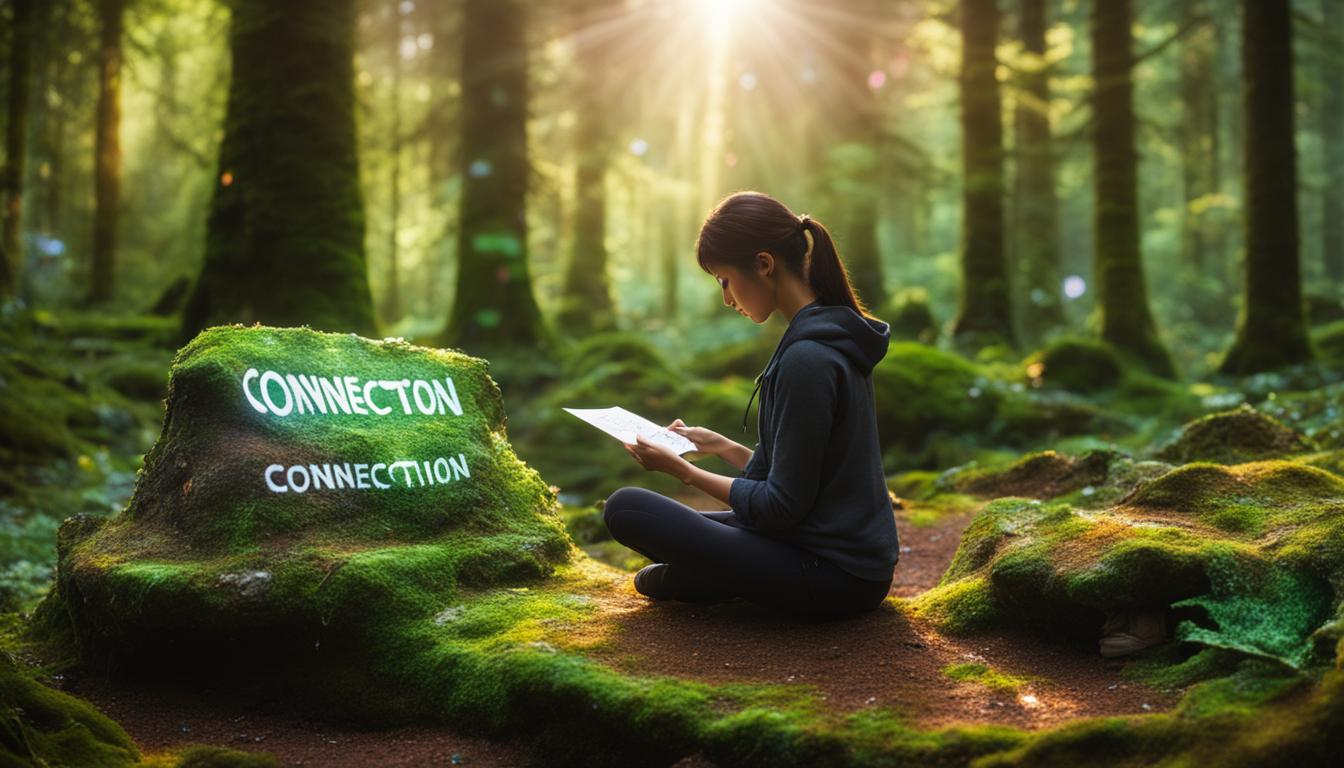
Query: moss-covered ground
[500,623]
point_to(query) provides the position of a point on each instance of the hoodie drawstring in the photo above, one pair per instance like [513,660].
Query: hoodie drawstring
[753,397]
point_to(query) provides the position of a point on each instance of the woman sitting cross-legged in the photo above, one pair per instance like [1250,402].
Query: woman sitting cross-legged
[810,530]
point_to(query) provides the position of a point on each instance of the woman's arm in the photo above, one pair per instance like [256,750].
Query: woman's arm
[715,485]
[736,454]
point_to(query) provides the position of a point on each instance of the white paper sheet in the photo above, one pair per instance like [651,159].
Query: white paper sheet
[624,425]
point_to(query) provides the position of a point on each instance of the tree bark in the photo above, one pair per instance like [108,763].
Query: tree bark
[494,307]
[392,309]
[985,309]
[860,122]
[1199,134]
[1332,139]
[1126,320]
[1272,326]
[285,235]
[1037,229]
[585,294]
[16,133]
[107,149]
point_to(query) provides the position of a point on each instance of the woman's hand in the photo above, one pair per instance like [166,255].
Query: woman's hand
[655,457]
[707,441]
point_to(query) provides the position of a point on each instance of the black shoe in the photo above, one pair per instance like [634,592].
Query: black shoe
[649,581]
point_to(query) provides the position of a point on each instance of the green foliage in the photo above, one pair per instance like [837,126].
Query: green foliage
[1260,609]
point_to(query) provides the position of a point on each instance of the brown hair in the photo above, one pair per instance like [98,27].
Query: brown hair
[746,223]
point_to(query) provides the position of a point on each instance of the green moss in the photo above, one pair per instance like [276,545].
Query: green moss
[982,674]
[958,607]
[936,390]
[1233,437]
[1081,365]
[204,547]
[1040,475]
[1328,340]
[42,726]
[1253,546]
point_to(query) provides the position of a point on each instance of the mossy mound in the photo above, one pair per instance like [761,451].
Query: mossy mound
[1041,475]
[910,316]
[1323,309]
[1328,339]
[1234,436]
[920,389]
[744,358]
[1080,365]
[275,528]
[41,726]
[622,369]
[1256,546]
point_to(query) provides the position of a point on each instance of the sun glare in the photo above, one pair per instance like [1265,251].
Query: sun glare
[721,15]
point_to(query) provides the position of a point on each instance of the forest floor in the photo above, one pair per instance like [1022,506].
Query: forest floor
[879,659]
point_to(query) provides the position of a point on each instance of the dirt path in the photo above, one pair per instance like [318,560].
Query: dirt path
[880,659]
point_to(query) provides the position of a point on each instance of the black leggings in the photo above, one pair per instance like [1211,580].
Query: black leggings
[710,557]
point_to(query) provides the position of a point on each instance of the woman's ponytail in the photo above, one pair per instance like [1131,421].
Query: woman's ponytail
[826,274]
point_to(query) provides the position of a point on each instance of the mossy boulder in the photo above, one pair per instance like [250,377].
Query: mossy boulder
[1256,547]
[1040,475]
[1080,365]
[1234,436]
[305,488]
[920,389]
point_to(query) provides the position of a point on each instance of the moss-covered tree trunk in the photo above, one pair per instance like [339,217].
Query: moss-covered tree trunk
[16,131]
[1332,139]
[391,309]
[1122,301]
[285,235]
[858,117]
[1037,225]
[1272,326]
[107,151]
[1199,140]
[984,312]
[585,297]
[494,307]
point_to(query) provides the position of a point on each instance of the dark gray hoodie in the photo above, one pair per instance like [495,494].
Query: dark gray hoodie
[815,478]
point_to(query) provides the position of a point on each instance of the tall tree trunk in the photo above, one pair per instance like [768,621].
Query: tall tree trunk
[1272,326]
[860,123]
[585,294]
[1199,133]
[443,145]
[494,308]
[1037,230]
[285,235]
[392,310]
[1126,320]
[107,149]
[1332,138]
[985,310]
[16,134]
